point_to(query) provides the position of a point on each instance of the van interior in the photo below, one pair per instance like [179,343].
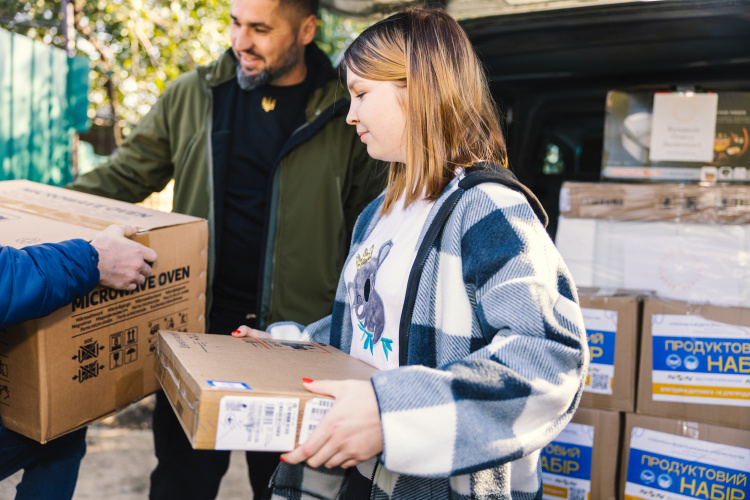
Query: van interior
[550,73]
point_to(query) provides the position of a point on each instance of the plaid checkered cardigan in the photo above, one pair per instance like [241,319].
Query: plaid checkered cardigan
[495,365]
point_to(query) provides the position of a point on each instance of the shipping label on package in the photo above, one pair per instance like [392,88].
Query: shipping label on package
[671,467]
[699,361]
[257,423]
[601,328]
[315,410]
[566,463]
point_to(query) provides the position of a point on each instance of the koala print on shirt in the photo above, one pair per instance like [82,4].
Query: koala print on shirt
[366,302]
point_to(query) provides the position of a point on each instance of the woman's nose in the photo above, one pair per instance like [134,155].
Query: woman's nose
[351,116]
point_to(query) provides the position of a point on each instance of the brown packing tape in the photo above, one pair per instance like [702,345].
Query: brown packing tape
[669,202]
[55,215]
[144,238]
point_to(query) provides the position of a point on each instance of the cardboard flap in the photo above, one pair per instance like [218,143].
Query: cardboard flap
[60,214]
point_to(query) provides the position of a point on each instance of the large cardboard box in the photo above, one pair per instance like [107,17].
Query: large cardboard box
[87,359]
[695,363]
[683,242]
[581,462]
[613,321]
[679,459]
[247,394]
[660,136]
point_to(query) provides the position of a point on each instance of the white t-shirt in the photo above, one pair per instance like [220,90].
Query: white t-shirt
[376,282]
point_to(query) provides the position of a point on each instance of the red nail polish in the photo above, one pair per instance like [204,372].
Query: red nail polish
[236,331]
[282,459]
[307,380]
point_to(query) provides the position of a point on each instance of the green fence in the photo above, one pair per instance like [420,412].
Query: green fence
[43,102]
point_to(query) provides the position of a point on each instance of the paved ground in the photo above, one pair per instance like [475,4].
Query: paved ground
[120,458]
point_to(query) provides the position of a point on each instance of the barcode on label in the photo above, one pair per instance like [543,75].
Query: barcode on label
[315,410]
[268,413]
[577,494]
[600,381]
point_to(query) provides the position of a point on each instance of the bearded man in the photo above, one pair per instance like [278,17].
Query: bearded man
[257,143]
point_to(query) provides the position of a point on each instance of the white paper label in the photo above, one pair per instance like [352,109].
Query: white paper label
[683,127]
[257,423]
[314,411]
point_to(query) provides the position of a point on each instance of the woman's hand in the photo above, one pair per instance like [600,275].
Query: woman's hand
[246,331]
[349,433]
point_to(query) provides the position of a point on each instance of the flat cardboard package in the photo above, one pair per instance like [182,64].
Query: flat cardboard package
[96,355]
[581,462]
[683,242]
[247,394]
[613,320]
[672,459]
[676,136]
[663,202]
[695,363]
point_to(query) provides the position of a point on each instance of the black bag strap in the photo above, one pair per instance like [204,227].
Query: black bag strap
[477,174]
[416,271]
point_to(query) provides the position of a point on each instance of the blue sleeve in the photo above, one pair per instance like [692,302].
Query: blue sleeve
[39,279]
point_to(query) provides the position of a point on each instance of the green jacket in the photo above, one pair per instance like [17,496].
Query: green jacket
[322,182]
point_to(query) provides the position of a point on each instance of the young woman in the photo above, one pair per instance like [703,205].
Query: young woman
[483,354]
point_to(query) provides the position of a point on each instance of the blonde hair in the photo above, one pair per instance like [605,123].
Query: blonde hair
[451,118]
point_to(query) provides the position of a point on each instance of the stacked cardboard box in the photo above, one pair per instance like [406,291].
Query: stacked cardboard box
[87,359]
[687,243]
[677,459]
[581,462]
[612,320]
[695,363]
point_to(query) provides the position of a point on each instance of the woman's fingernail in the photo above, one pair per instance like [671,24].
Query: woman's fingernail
[307,380]
[282,459]
[236,331]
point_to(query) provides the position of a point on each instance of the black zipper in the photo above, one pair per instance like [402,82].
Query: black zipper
[299,136]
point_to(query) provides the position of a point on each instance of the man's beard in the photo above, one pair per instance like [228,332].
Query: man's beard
[252,82]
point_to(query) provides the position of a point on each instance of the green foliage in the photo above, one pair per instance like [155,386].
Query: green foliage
[137,46]
[335,33]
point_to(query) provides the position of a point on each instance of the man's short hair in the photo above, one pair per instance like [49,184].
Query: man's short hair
[304,7]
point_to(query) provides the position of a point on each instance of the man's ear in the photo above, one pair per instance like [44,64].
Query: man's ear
[307,29]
